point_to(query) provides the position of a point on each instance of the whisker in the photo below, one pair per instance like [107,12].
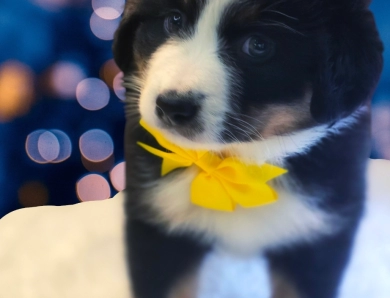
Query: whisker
[243,122]
[233,137]
[250,118]
[242,131]
[281,13]
[246,125]
[282,25]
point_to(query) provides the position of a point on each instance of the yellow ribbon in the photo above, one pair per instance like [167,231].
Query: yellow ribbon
[221,183]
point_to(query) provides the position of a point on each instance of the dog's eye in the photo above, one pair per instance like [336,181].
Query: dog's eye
[174,22]
[258,47]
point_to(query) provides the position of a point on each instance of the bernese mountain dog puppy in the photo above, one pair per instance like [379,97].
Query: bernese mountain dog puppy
[282,82]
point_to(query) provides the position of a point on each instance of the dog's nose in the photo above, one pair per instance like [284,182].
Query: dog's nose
[176,110]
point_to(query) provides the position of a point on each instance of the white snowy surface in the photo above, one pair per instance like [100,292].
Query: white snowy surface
[77,251]
[368,273]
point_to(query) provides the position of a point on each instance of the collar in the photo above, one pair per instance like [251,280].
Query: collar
[221,184]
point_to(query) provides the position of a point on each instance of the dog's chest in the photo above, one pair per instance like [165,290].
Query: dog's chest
[291,219]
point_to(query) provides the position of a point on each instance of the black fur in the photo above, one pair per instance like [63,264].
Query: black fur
[336,167]
[335,49]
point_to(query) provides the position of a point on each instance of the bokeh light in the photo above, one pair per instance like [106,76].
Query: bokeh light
[16,90]
[33,194]
[65,145]
[108,9]
[48,146]
[32,146]
[119,90]
[96,145]
[97,150]
[103,29]
[117,176]
[108,72]
[92,94]
[93,187]
[64,79]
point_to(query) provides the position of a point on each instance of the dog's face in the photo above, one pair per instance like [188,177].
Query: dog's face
[210,73]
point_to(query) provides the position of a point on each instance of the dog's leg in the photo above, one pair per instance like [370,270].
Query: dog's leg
[160,263]
[311,270]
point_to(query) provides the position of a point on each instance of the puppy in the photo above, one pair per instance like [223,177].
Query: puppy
[283,82]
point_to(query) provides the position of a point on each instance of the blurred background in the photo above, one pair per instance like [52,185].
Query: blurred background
[61,102]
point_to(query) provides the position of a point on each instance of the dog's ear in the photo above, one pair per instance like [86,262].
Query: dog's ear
[123,39]
[350,65]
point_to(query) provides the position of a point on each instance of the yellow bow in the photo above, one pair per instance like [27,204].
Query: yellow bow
[221,183]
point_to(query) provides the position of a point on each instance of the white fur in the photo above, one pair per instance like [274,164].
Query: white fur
[191,64]
[243,231]
[292,218]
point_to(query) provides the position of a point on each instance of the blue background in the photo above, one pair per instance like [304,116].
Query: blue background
[38,37]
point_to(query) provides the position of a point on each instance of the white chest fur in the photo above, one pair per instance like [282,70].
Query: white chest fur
[292,218]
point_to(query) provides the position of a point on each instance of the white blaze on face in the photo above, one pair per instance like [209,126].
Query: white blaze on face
[192,64]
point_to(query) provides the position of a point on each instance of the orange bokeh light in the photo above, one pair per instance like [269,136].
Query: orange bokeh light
[33,194]
[108,72]
[16,90]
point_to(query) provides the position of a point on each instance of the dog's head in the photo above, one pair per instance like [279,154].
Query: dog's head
[214,72]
